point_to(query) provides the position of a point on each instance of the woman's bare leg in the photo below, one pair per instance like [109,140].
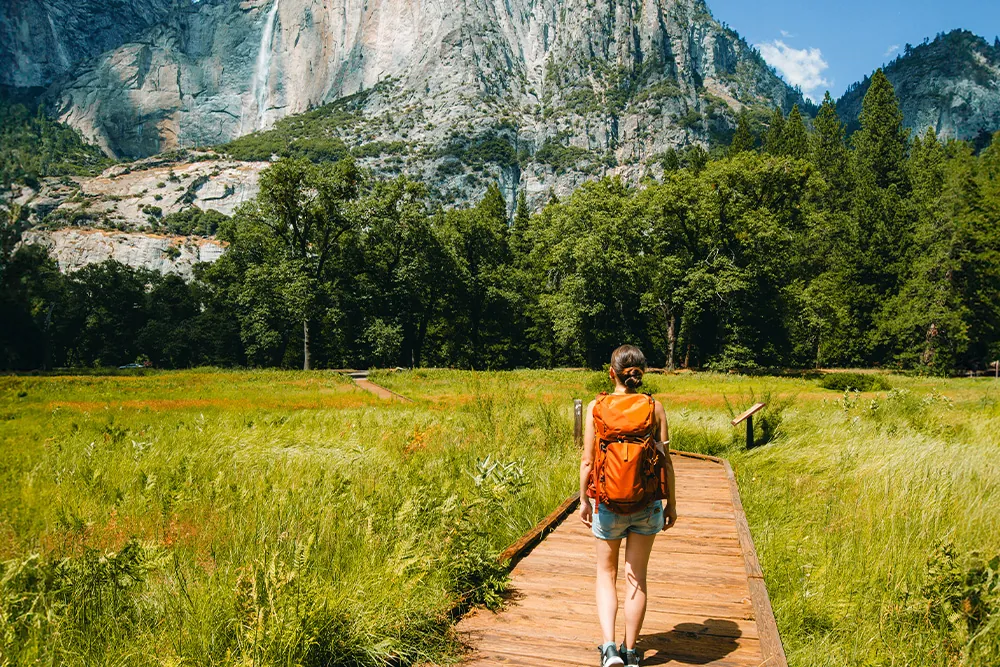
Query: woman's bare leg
[637,550]
[607,593]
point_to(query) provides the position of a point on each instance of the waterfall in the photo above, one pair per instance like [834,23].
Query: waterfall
[60,49]
[262,71]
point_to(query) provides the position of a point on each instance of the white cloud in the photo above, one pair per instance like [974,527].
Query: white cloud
[891,51]
[800,67]
[786,34]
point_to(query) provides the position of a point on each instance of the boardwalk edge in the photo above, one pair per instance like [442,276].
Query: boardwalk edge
[530,540]
[767,627]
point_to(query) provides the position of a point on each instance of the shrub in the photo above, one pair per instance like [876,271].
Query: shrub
[193,222]
[561,157]
[855,382]
[960,597]
[96,595]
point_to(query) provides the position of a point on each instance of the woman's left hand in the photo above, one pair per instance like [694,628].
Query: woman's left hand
[670,516]
[586,512]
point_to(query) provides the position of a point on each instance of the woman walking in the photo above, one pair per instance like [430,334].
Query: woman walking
[624,437]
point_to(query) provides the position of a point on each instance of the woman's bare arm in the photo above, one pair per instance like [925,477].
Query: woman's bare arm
[663,436]
[587,464]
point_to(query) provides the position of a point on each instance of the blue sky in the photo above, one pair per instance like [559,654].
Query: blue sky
[830,45]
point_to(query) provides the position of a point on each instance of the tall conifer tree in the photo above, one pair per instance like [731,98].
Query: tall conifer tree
[795,138]
[743,140]
[774,139]
[882,142]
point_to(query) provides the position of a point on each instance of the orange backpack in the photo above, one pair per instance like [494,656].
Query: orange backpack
[625,476]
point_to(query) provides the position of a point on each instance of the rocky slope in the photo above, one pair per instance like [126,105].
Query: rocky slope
[125,212]
[41,40]
[619,79]
[951,84]
[75,248]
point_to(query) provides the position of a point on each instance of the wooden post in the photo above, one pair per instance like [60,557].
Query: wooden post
[748,418]
[578,422]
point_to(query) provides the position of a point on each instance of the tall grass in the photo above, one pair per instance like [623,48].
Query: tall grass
[876,520]
[134,535]
[262,518]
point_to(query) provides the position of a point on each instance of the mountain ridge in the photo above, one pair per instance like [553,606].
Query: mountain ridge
[950,84]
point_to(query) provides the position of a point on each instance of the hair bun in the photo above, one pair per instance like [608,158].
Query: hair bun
[634,378]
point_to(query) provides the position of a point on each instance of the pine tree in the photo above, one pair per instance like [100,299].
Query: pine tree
[521,214]
[743,140]
[774,139]
[795,138]
[879,211]
[882,142]
[829,148]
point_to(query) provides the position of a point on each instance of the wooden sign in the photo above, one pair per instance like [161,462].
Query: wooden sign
[754,409]
[748,417]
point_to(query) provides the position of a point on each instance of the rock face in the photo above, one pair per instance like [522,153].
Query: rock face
[131,197]
[536,95]
[75,248]
[951,84]
[41,40]
[629,77]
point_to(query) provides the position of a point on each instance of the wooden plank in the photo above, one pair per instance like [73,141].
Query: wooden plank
[752,410]
[519,549]
[707,600]
[568,621]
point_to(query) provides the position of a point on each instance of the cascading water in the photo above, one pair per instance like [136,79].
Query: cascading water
[60,49]
[262,71]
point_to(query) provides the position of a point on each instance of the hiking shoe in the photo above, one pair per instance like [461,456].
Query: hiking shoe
[631,657]
[610,656]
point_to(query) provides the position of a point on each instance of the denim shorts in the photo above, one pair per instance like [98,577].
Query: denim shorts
[610,526]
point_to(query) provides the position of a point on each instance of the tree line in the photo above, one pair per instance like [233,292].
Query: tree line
[798,248]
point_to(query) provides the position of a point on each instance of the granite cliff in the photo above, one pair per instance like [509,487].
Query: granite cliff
[42,40]
[951,84]
[621,79]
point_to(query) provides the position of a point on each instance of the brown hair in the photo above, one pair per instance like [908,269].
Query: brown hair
[629,364]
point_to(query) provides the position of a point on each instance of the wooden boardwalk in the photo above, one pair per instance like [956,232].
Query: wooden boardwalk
[707,600]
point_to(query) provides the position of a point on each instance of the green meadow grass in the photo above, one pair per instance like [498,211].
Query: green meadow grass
[265,517]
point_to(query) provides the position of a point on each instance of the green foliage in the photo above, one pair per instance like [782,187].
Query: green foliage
[313,135]
[33,146]
[379,148]
[560,156]
[795,139]
[192,222]
[97,595]
[743,140]
[489,147]
[774,140]
[961,599]
[855,382]
[689,120]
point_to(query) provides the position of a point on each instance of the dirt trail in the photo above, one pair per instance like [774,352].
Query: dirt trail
[361,379]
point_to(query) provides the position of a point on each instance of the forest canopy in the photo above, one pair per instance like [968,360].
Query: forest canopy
[799,248]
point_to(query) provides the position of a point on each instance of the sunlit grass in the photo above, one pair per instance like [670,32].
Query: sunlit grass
[291,518]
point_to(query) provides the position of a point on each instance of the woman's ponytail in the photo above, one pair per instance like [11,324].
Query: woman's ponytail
[633,378]
[629,365]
